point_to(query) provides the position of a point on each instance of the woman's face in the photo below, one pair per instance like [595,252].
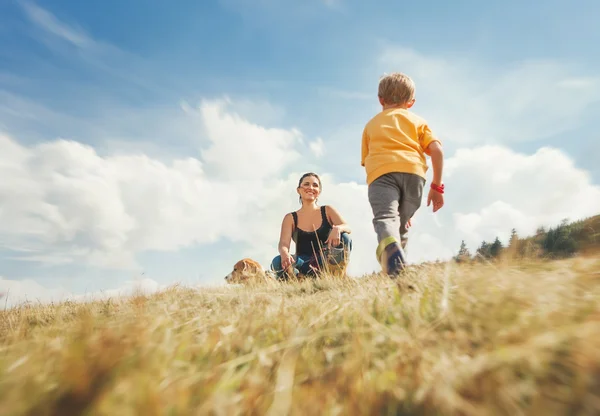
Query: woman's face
[309,189]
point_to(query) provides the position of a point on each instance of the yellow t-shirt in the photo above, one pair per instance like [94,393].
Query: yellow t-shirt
[395,140]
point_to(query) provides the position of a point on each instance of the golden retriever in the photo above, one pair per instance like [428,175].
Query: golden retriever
[247,271]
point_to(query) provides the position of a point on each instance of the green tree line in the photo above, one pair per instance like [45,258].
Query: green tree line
[561,241]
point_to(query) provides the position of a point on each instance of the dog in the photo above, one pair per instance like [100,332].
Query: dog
[248,271]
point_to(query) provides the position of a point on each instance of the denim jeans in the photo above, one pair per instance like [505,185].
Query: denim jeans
[302,264]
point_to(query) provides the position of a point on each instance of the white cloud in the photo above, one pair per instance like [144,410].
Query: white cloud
[260,111]
[51,24]
[14,292]
[469,103]
[17,292]
[113,128]
[492,189]
[317,147]
[242,150]
[66,203]
[67,200]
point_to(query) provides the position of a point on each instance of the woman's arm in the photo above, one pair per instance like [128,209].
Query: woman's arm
[336,220]
[285,237]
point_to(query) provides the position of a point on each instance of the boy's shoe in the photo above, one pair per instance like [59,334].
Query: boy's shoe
[392,259]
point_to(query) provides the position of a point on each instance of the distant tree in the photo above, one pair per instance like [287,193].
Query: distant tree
[530,249]
[514,245]
[463,253]
[564,240]
[514,238]
[484,250]
[560,241]
[496,248]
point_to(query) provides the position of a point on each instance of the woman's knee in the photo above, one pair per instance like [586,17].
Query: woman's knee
[276,264]
[340,254]
[346,240]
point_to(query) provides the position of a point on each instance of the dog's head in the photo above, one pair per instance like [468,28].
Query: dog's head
[244,271]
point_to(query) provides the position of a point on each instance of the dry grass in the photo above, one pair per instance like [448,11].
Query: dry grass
[450,340]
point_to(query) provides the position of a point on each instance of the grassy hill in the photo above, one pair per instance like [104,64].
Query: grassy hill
[585,234]
[453,339]
[560,241]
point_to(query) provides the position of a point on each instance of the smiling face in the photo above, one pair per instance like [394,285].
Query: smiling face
[309,188]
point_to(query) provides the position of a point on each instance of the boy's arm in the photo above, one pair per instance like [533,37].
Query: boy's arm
[437,161]
[365,147]
[432,146]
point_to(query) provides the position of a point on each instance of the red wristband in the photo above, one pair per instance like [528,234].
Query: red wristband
[438,188]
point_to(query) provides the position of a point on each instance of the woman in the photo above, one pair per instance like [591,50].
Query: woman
[319,233]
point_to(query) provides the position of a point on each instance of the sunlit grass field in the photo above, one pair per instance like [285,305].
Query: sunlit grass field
[446,339]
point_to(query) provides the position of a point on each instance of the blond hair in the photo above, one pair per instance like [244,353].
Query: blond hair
[396,88]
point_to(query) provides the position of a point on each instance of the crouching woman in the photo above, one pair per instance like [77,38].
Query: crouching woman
[321,236]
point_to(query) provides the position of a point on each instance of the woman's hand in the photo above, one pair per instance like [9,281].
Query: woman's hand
[286,260]
[334,237]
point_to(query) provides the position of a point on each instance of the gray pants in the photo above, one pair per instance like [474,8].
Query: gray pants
[394,199]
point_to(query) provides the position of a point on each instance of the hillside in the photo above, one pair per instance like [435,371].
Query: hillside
[476,339]
[559,241]
[567,238]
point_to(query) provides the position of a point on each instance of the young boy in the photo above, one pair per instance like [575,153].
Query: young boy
[394,145]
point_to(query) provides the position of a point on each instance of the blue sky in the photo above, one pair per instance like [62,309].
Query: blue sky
[242,96]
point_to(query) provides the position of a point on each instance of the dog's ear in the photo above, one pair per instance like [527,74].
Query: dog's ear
[245,263]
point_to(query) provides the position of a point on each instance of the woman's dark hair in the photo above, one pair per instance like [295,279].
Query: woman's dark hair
[306,175]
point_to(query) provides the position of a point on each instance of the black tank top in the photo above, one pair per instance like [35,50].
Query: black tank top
[308,242]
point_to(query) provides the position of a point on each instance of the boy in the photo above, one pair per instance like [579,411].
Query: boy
[394,145]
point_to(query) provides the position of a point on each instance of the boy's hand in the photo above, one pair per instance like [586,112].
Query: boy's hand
[437,199]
